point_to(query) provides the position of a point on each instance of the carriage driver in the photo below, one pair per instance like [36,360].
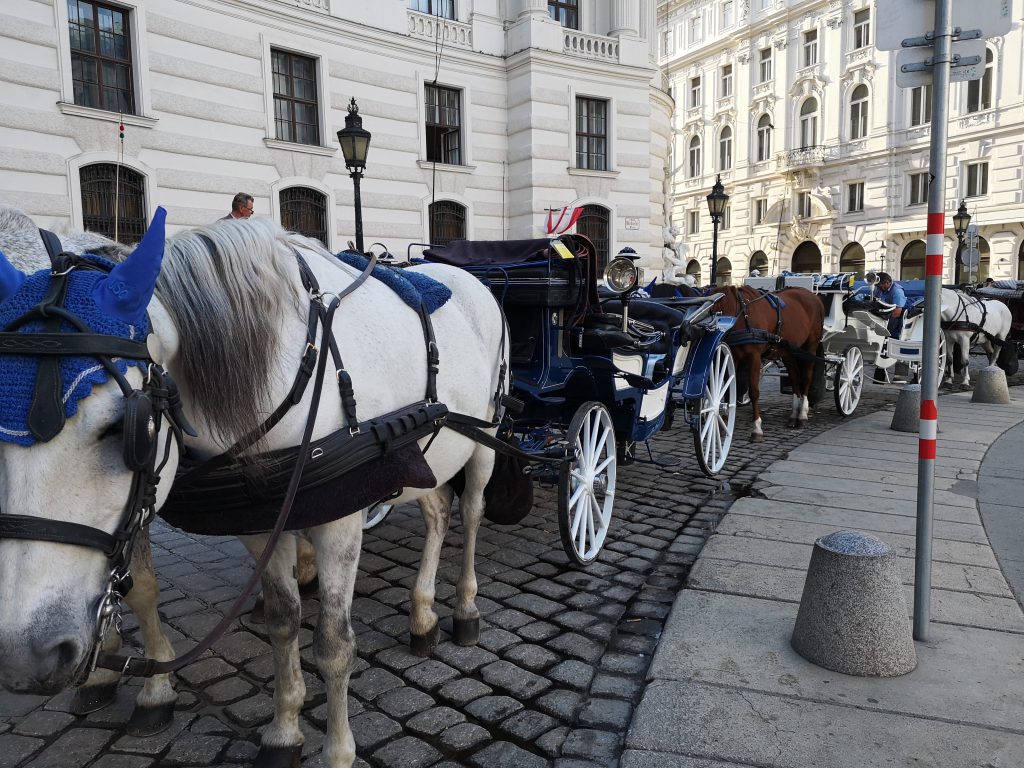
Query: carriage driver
[892,293]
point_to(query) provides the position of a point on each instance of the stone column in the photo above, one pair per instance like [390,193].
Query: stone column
[534,8]
[625,18]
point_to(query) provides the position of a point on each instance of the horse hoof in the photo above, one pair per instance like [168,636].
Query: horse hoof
[756,437]
[149,721]
[792,424]
[801,423]
[278,757]
[257,615]
[466,631]
[90,698]
[311,588]
[423,645]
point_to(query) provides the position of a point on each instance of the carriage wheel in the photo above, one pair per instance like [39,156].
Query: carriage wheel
[716,414]
[375,515]
[586,484]
[848,381]
[942,360]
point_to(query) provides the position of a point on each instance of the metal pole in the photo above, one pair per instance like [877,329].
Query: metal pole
[928,429]
[357,201]
[956,264]
[714,251]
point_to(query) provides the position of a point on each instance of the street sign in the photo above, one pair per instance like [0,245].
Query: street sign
[971,236]
[897,20]
[970,257]
[966,49]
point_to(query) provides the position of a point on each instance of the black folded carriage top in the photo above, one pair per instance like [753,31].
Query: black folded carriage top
[482,253]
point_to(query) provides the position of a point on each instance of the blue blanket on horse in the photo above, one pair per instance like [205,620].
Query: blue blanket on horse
[412,287]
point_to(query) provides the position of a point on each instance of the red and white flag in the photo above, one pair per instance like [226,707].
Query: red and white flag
[567,218]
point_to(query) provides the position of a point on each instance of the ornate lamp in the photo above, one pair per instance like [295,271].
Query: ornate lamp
[355,143]
[717,200]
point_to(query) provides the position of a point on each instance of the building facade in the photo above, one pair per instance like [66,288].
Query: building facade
[483,114]
[825,159]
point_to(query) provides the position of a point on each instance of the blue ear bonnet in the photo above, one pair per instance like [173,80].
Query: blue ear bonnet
[78,374]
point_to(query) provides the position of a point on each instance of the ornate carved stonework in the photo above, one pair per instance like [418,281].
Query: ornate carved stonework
[780,43]
[978,118]
[726,117]
[742,56]
[809,82]
[763,104]
[834,22]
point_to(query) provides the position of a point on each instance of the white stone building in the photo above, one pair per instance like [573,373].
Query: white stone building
[825,159]
[483,114]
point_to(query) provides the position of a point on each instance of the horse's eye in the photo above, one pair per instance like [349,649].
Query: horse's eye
[116,429]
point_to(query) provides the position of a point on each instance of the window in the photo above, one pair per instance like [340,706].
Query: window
[595,224]
[101,60]
[725,81]
[758,261]
[295,98]
[726,217]
[696,30]
[764,138]
[809,123]
[979,92]
[693,222]
[304,210]
[666,43]
[764,65]
[859,112]
[728,14]
[694,92]
[565,12]
[918,188]
[977,179]
[766,4]
[447,222]
[694,165]
[862,28]
[443,8]
[443,122]
[921,105]
[113,201]
[760,210]
[725,149]
[810,48]
[855,197]
[803,204]
[852,260]
[591,134]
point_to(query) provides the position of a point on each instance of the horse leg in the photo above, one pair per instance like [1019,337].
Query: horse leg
[963,358]
[281,743]
[466,618]
[754,369]
[334,643]
[305,572]
[802,379]
[424,633]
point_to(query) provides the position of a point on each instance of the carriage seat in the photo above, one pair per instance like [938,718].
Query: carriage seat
[661,317]
[602,332]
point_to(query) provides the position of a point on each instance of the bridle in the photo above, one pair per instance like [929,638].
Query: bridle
[145,410]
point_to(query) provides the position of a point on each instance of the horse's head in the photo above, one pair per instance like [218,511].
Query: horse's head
[85,453]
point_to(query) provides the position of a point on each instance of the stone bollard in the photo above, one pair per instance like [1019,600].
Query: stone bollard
[853,616]
[908,409]
[990,386]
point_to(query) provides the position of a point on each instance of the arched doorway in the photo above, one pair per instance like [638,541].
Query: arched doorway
[912,261]
[693,268]
[979,273]
[852,260]
[807,257]
[758,261]
[594,223]
[723,272]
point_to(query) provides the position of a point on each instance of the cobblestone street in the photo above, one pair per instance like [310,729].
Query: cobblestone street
[560,664]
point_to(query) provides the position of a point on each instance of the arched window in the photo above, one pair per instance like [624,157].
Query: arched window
[694,166]
[1020,262]
[113,201]
[859,112]
[759,262]
[979,92]
[693,268]
[807,257]
[725,149]
[852,260]
[447,222]
[595,224]
[809,123]
[979,273]
[723,272]
[304,210]
[764,138]
[912,261]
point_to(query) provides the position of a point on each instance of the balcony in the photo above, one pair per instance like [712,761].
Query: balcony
[432,28]
[806,156]
[597,47]
[322,6]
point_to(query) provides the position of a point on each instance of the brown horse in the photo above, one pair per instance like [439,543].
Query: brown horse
[787,326]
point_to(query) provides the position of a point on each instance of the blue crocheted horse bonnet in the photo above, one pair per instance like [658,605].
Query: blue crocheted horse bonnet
[411,287]
[78,374]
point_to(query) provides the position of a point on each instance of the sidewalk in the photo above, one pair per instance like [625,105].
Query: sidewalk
[726,690]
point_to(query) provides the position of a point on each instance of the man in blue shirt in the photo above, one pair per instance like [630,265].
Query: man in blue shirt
[892,293]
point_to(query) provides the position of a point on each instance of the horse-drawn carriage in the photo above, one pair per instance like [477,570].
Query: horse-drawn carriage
[1010,293]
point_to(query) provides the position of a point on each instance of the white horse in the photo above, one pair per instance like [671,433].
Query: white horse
[228,321]
[967,321]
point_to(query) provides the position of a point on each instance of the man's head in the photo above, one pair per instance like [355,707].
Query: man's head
[241,205]
[884,281]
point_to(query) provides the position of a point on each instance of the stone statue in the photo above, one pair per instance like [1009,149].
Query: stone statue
[674,270]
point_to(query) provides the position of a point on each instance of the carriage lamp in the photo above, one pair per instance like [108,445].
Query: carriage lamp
[622,276]
[961,220]
[355,143]
[717,200]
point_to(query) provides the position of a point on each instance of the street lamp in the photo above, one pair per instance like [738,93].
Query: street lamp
[961,220]
[355,143]
[716,206]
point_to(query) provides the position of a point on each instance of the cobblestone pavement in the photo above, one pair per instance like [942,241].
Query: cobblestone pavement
[560,664]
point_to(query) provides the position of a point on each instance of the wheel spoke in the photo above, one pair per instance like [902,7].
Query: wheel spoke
[580,489]
[603,465]
[600,446]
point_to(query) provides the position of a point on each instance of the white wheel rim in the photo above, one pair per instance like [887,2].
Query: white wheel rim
[718,409]
[851,379]
[375,515]
[592,484]
[942,361]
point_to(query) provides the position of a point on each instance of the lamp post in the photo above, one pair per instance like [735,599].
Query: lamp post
[355,143]
[961,220]
[716,206]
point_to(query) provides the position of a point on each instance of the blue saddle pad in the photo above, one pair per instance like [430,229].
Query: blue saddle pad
[412,287]
[775,300]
